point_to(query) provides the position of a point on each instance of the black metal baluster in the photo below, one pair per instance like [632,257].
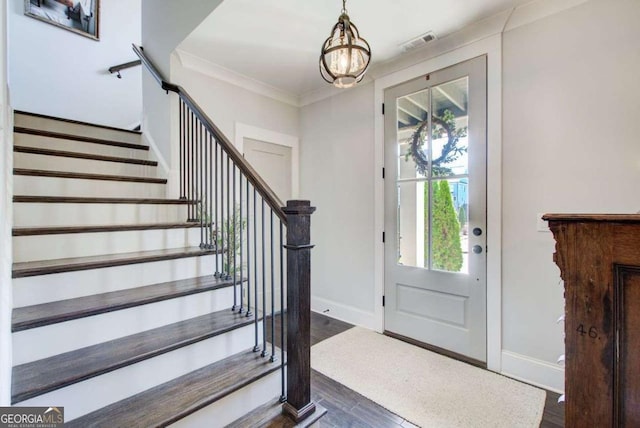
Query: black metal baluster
[248,254]
[222,212]
[193,168]
[210,190]
[256,347]
[182,136]
[228,231]
[283,397]
[187,182]
[264,291]
[273,292]
[240,225]
[234,242]
[200,172]
[217,224]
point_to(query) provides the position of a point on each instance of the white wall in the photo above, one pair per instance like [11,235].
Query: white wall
[227,104]
[570,133]
[165,24]
[570,144]
[336,164]
[6,178]
[56,72]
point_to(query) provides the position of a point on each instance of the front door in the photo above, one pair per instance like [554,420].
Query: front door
[435,209]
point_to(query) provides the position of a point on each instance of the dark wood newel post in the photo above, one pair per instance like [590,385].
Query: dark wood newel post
[298,404]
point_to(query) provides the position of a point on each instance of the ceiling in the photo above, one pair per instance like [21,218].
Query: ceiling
[277,42]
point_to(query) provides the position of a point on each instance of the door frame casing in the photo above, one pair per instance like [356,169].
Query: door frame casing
[243,131]
[492,48]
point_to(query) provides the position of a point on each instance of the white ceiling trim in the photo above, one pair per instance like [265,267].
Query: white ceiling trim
[536,10]
[196,63]
[496,24]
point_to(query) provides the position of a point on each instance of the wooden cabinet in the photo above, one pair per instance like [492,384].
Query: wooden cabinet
[599,260]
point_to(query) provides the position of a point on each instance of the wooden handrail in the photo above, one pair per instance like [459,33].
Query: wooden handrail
[124,66]
[254,178]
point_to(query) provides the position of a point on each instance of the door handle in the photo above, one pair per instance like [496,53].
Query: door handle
[477,249]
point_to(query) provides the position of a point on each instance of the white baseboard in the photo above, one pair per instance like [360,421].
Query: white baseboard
[343,312]
[535,372]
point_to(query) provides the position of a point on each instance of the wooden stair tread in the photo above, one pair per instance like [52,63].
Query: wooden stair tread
[88,200]
[76,122]
[45,267]
[169,402]
[63,230]
[81,138]
[87,176]
[270,415]
[78,155]
[42,376]
[43,314]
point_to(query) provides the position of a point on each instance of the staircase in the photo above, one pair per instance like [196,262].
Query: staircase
[118,315]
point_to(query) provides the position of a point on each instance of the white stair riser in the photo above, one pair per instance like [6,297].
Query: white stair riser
[100,391]
[34,290]
[57,186]
[66,145]
[234,406]
[70,335]
[26,121]
[48,247]
[89,166]
[30,214]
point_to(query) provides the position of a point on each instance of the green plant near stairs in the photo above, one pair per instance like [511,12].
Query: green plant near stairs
[228,236]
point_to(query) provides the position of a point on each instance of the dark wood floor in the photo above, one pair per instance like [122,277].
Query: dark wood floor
[347,408]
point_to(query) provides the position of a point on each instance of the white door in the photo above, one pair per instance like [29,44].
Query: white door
[435,210]
[273,163]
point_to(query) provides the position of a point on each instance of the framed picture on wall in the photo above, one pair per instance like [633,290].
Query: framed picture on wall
[79,16]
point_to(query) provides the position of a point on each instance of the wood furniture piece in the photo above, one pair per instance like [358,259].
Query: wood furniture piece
[599,259]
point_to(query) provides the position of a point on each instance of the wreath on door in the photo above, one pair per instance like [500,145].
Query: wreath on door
[441,126]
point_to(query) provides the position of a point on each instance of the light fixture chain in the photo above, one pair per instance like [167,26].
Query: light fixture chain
[344,6]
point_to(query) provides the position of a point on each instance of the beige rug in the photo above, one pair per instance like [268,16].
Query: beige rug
[423,387]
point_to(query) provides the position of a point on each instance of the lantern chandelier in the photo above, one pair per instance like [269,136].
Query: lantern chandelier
[345,55]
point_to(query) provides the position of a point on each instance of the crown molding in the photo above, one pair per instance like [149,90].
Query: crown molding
[208,68]
[538,9]
[499,23]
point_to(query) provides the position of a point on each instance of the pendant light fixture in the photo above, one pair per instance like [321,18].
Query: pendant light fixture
[345,55]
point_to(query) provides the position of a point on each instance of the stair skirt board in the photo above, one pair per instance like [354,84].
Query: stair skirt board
[233,406]
[34,290]
[55,339]
[59,186]
[51,124]
[97,392]
[91,166]
[49,247]
[28,140]
[35,214]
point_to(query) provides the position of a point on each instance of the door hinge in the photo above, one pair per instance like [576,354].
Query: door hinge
[383,172]
[382,237]
[383,302]
[383,108]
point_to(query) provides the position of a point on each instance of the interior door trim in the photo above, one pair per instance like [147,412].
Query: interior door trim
[247,131]
[492,47]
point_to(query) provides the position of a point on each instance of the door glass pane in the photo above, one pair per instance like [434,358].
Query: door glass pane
[412,134]
[413,218]
[433,211]
[449,103]
[449,225]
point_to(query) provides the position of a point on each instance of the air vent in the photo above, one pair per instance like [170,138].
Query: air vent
[418,42]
